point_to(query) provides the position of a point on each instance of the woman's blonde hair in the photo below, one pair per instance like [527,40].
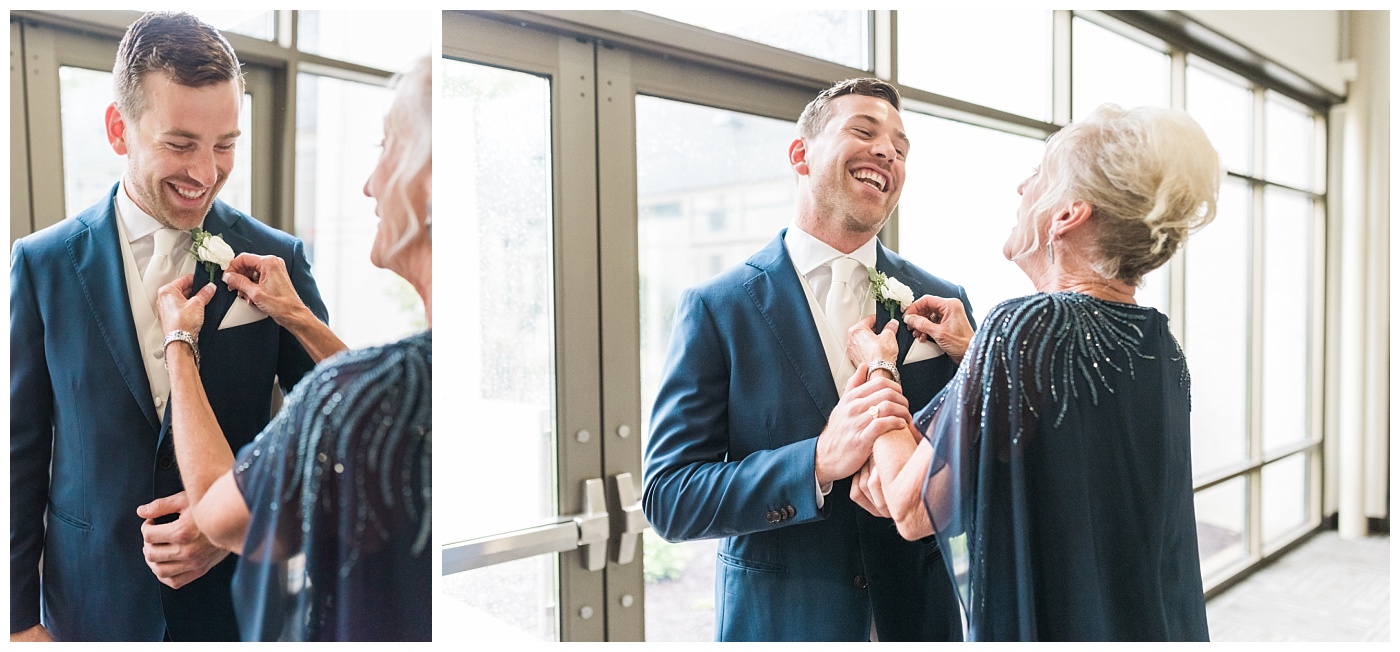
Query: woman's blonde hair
[1150,174]
[410,125]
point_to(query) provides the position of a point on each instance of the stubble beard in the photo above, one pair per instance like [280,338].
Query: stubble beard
[845,210]
[174,217]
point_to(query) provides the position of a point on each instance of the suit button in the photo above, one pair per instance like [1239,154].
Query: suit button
[860,582]
[773,517]
[165,461]
[789,511]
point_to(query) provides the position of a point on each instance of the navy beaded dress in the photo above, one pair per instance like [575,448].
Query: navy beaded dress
[1060,486]
[339,491]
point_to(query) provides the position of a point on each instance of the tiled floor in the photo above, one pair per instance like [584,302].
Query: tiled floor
[1326,590]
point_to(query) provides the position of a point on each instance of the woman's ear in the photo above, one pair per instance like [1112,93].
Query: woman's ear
[1072,217]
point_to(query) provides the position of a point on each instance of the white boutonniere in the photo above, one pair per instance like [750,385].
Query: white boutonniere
[211,250]
[889,291]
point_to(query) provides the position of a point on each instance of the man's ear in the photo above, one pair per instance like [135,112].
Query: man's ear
[797,156]
[1076,214]
[116,129]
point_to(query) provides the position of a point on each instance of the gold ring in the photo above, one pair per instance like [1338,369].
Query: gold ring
[874,412]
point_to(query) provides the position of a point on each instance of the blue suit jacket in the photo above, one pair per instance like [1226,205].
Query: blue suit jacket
[86,445]
[745,392]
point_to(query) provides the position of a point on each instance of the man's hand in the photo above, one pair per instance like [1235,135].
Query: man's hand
[35,634]
[264,282]
[867,491]
[180,311]
[863,344]
[844,446]
[943,320]
[177,552]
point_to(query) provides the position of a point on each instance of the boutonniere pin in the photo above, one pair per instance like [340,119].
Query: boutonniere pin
[211,250]
[889,291]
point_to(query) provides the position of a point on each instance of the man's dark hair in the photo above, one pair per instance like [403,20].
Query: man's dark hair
[178,44]
[816,115]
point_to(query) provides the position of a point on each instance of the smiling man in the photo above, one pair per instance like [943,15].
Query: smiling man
[761,421]
[94,490]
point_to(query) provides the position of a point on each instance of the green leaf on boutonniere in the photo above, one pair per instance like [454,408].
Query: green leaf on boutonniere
[211,251]
[881,291]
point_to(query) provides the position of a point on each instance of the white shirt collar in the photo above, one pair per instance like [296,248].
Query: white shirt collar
[139,224]
[808,253]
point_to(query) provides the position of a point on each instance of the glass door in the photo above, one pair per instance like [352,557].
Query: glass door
[578,169]
[712,188]
[695,180]
[522,505]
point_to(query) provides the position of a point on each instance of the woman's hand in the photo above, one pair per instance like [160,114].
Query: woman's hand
[263,281]
[178,310]
[867,491]
[942,320]
[863,346]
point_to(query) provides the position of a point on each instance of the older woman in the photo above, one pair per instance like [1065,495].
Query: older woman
[1056,467]
[330,507]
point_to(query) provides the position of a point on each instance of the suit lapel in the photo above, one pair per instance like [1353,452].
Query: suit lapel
[97,261]
[778,295]
[220,221]
[892,265]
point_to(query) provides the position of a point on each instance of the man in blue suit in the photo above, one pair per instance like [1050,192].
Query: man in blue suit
[94,490]
[760,420]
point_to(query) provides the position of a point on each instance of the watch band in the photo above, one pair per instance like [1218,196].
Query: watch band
[181,336]
[882,364]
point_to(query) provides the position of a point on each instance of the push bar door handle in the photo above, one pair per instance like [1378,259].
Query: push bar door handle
[632,521]
[588,530]
[593,525]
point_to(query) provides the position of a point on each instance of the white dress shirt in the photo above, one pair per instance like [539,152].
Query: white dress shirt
[810,258]
[137,232]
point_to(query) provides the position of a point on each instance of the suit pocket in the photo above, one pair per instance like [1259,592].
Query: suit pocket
[751,565]
[67,518]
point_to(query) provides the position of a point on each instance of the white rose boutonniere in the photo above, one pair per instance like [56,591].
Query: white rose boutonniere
[211,250]
[889,291]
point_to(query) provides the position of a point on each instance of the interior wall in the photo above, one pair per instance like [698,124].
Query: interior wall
[1370,36]
[1306,42]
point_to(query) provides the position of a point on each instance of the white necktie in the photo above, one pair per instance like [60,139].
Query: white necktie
[843,306]
[164,265]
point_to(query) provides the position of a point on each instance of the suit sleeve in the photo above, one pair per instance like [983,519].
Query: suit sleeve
[967,307]
[292,360]
[694,489]
[31,442]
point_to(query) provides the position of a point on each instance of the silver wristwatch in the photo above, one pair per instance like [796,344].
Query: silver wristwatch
[882,364]
[181,336]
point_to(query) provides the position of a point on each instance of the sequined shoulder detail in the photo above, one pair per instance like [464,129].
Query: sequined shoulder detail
[1049,348]
[352,442]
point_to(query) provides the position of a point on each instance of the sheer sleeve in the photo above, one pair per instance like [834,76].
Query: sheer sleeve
[978,415]
[338,489]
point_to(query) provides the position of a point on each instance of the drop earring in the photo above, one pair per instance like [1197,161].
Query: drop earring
[1050,247]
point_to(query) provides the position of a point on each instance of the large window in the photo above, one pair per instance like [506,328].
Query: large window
[837,36]
[959,204]
[1250,326]
[1013,70]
